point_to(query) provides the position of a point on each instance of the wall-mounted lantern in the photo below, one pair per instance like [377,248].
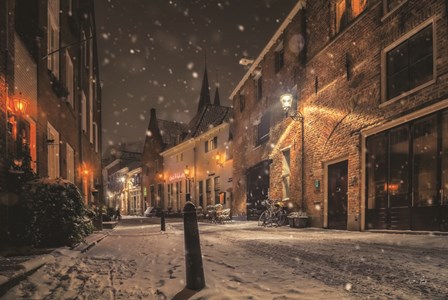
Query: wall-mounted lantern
[218,160]
[20,105]
[286,101]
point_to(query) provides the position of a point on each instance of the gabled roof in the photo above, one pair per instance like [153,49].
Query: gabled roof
[208,117]
[171,132]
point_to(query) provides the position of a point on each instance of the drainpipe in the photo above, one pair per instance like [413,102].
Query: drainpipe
[303,162]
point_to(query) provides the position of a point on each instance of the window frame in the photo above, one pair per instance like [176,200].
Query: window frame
[70,78]
[279,57]
[386,50]
[265,137]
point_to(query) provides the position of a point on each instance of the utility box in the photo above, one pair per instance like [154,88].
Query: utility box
[354,222]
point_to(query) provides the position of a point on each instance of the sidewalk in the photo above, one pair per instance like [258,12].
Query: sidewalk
[16,265]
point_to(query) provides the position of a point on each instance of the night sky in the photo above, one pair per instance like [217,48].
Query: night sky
[152,55]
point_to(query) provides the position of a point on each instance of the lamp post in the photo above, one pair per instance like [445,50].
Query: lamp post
[187,183]
[286,101]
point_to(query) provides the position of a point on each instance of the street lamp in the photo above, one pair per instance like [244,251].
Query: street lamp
[187,172]
[20,105]
[187,183]
[218,160]
[286,101]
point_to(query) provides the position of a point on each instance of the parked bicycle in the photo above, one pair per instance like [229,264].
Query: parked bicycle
[274,215]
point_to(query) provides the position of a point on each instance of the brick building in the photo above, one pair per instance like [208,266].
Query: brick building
[50,98]
[370,82]
[190,162]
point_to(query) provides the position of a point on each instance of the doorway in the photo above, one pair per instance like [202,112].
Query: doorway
[337,195]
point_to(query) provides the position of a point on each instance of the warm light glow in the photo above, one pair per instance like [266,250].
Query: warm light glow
[187,172]
[160,175]
[18,162]
[20,105]
[286,100]
[393,187]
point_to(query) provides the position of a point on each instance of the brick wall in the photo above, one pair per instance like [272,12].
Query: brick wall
[339,93]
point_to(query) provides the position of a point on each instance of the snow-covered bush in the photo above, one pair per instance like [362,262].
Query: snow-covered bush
[54,213]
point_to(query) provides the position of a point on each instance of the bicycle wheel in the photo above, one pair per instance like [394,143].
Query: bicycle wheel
[281,218]
[263,218]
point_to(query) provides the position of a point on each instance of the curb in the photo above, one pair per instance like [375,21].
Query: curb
[26,268]
[84,247]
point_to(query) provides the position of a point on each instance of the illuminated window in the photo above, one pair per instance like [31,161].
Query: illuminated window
[347,11]
[358,6]
[341,15]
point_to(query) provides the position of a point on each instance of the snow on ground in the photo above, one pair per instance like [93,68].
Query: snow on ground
[243,261]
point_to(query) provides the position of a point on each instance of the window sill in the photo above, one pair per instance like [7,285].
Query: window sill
[405,94]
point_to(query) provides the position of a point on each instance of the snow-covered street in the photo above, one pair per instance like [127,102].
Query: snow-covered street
[244,261]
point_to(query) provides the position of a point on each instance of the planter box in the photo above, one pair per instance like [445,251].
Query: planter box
[98,223]
[299,222]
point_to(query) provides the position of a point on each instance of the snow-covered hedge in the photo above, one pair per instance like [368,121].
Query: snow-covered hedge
[54,213]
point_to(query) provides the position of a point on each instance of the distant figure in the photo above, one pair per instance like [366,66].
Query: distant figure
[117,214]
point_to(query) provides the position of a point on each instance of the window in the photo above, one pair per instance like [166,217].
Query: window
[217,188]
[179,157]
[84,112]
[90,109]
[242,99]
[53,151]
[211,144]
[406,164]
[69,78]
[159,194]
[70,157]
[53,37]
[156,165]
[279,57]
[208,191]
[84,48]
[95,136]
[170,195]
[263,129]
[347,11]
[229,150]
[410,64]
[286,170]
[201,193]
[259,87]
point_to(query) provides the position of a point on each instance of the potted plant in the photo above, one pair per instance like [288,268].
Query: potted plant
[298,219]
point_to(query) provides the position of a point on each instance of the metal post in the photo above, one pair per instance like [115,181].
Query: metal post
[193,256]
[162,221]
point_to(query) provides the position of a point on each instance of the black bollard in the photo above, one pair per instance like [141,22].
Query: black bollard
[193,256]
[162,221]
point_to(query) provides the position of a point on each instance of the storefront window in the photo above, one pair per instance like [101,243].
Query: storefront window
[444,180]
[425,162]
[377,171]
[399,167]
